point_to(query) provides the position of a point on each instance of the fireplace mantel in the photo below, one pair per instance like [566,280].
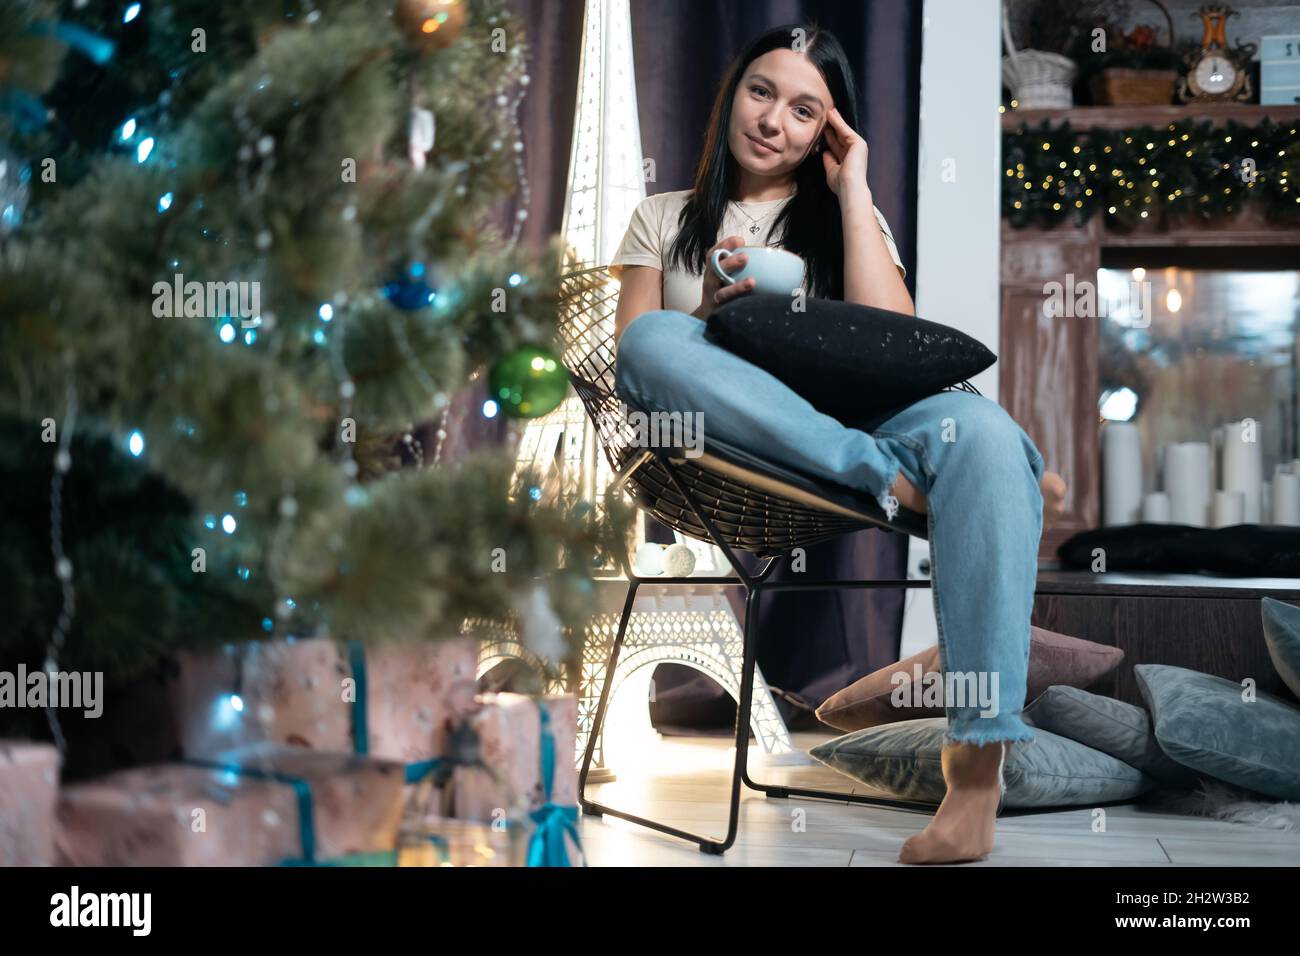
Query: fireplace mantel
[1048,367]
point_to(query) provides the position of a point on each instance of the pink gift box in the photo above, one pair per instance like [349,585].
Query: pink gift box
[185,815]
[302,693]
[509,730]
[29,788]
[415,689]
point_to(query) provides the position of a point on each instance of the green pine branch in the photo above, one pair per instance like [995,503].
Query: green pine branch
[255,140]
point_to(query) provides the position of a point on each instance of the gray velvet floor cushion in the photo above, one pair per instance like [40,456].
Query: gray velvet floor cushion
[1112,726]
[1282,635]
[1202,722]
[902,758]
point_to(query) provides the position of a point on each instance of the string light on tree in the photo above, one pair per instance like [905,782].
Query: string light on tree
[15,176]
[62,566]
[220,170]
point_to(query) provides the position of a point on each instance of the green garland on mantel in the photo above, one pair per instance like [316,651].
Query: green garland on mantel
[1189,170]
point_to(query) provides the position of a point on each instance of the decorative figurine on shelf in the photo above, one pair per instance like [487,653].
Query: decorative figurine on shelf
[1215,73]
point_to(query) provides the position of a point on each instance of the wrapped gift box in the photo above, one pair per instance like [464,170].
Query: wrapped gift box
[508,788]
[303,693]
[446,841]
[29,788]
[415,690]
[187,815]
[509,732]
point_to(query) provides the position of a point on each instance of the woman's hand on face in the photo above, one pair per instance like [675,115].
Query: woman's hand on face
[844,157]
[716,292]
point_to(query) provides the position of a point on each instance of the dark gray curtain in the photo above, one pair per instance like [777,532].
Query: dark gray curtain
[553,32]
[809,645]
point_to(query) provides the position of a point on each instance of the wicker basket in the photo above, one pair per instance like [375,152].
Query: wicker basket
[1039,80]
[1117,86]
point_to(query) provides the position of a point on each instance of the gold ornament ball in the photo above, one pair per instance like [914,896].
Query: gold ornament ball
[430,25]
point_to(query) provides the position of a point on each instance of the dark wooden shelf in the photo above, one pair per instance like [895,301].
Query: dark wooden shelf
[1124,117]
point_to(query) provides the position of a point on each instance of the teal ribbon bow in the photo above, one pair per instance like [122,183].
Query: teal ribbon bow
[307,812]
[415,772]
[554,821]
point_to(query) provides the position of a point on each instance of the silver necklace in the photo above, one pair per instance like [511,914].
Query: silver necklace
[753,229]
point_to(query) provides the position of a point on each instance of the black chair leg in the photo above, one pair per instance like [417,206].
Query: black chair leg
[740,773]
[590,807]
[598,723]
[743,731]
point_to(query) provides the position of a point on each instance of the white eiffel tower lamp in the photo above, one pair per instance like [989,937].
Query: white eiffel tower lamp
[694,626]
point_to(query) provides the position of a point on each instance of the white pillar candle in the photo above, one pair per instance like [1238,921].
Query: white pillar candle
[1121,459]
[1155,508]
[1243,464]
[1187,482]
[1286,499]
[1229,508]
[1216,461]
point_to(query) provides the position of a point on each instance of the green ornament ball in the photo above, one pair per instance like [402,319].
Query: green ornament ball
[528,382]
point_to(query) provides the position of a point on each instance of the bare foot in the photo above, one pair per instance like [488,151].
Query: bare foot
[963,827]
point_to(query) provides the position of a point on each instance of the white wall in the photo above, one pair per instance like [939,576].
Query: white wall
[958,214]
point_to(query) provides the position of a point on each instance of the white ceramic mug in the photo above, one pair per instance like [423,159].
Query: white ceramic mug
[774,271]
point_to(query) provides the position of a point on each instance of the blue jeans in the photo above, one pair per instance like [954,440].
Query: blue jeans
[979,471]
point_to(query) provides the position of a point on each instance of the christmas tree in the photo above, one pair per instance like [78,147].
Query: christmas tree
[244,249]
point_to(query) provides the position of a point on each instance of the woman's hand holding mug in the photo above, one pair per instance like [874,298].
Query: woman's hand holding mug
[716,291]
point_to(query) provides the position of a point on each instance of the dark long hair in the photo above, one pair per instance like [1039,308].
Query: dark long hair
[811,219]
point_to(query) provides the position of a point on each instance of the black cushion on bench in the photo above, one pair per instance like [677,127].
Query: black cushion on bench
[849,361]
[1242,550]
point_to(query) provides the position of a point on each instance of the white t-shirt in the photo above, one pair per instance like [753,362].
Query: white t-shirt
[653,228]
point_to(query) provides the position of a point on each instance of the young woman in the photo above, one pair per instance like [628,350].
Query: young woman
[783,160]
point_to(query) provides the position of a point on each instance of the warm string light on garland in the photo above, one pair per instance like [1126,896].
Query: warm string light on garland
[1055,174]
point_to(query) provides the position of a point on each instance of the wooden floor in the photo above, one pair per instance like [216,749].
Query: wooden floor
[684,782]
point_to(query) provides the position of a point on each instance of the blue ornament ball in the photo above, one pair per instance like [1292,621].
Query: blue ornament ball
[408,290]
